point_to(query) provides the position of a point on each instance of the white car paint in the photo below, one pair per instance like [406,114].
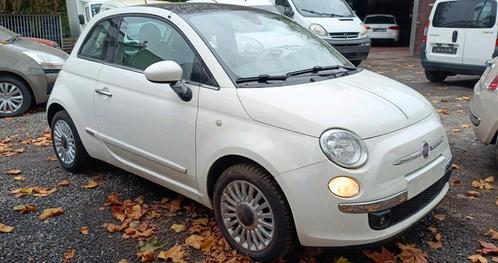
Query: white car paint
[484,105]
[383,31]
[146,129]
[261,4]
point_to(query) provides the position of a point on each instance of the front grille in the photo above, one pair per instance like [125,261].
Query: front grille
[405,210]
[345,35]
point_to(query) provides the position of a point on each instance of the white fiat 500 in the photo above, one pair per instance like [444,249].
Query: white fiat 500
[250,114]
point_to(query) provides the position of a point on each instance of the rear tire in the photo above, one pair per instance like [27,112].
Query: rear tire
[253,214]
[67,144]
[435,76]
[15,97]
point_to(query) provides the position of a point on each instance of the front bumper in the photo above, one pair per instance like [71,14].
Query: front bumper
[453,68]
[320,217]
[352,49]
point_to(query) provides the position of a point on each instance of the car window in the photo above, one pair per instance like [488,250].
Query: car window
[87,14]
[465,14]
[143,41]
[328,8]
[99,40]
[283,6]
[380,20]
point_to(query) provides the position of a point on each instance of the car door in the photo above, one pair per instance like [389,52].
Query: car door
[145,125]
[447,32]
[480,40]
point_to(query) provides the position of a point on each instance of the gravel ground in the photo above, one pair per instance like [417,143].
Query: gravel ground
[33,240]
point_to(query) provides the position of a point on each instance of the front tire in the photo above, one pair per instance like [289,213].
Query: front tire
[435,76]
[15,97]
[67,144]
[253,214]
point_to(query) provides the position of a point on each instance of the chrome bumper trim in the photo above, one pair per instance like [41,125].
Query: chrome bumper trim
[420,153]
[374,206]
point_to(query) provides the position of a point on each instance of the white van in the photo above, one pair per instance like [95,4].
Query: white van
[460,36]
[334,21]
[87,9]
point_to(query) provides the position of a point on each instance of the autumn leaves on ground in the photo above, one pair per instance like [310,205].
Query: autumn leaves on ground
[108,215]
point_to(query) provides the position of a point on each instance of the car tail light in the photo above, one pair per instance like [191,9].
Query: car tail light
[394,27]
[493,86]
[426,30]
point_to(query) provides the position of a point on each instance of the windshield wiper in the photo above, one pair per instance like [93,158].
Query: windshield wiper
[317,69]
[261,78]
[322,14]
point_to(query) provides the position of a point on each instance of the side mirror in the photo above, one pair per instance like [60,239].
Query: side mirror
[288,12]
[81,19]
[164,72]
[171,73]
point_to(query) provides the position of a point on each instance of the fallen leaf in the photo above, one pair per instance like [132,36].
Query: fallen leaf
[466,126]
[14,172]
[84,230]
[411,254]
[63,183]
[484,184]
[478,259]
[178,228]
[153,244]
[456,130]
[342,260]
[51,212]
[113,199]
[194,241]
[207,244]
[25,209]
[123,261]
[440,217]
[488,248]
[69,255]
[384,257]
[494,259]
[6,228]
[19,178]
[492,233]
[455,166]
[176,254]
[473,193]
[112,228]
[175,205]
[443,111]
[43,192]
[92,184]
[147,256]
[201,221]
[52,158]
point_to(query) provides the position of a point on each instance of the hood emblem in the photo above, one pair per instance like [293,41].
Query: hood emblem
[425,152]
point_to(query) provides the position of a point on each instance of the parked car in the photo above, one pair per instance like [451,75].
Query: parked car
[282,141]
[111,4]
[460,36]
[484,106]
[382,27]
[261,4]
[332,20]
[28,71]
[45,42]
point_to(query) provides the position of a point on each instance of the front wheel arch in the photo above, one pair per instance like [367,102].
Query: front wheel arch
[52,110]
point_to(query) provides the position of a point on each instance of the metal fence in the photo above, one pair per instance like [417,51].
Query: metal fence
[39,26]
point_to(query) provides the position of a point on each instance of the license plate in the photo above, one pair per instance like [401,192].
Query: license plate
[445,50]
[379,30]
[425,177]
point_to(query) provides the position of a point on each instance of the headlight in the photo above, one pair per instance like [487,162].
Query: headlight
[45,59]
[344,148]
[363,29]
[318,29]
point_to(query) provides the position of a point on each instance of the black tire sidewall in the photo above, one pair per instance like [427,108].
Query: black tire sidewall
[26,92]
[435,76]
[81,156]
[283,232]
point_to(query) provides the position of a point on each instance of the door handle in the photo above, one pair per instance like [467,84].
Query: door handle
[104,92]
[454,38]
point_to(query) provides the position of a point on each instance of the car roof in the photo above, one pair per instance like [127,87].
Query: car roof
[187,8]
[372,15]
[235,2]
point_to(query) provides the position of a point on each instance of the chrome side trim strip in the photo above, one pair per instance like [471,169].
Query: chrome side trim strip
[374,206]
[419,153]
[137,151]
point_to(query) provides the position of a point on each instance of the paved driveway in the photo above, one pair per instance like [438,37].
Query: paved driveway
[94,228]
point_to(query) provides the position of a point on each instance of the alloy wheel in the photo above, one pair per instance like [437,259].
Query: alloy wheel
[11,98]
[64,142]
[247,215]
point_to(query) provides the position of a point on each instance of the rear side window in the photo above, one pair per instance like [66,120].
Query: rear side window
[465,14]
[99,40]
[380,20]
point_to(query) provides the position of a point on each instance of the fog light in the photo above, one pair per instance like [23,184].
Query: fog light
[344,187]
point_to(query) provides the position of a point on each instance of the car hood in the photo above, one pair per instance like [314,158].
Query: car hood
[26,44]
[366,103]
[336,24]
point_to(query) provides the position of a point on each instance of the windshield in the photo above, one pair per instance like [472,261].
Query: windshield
[250,44]
[314,8]
[379,20]
[465,14]
[6,35]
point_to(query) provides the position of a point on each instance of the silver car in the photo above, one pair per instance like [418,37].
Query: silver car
[28,71]
[484,105]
